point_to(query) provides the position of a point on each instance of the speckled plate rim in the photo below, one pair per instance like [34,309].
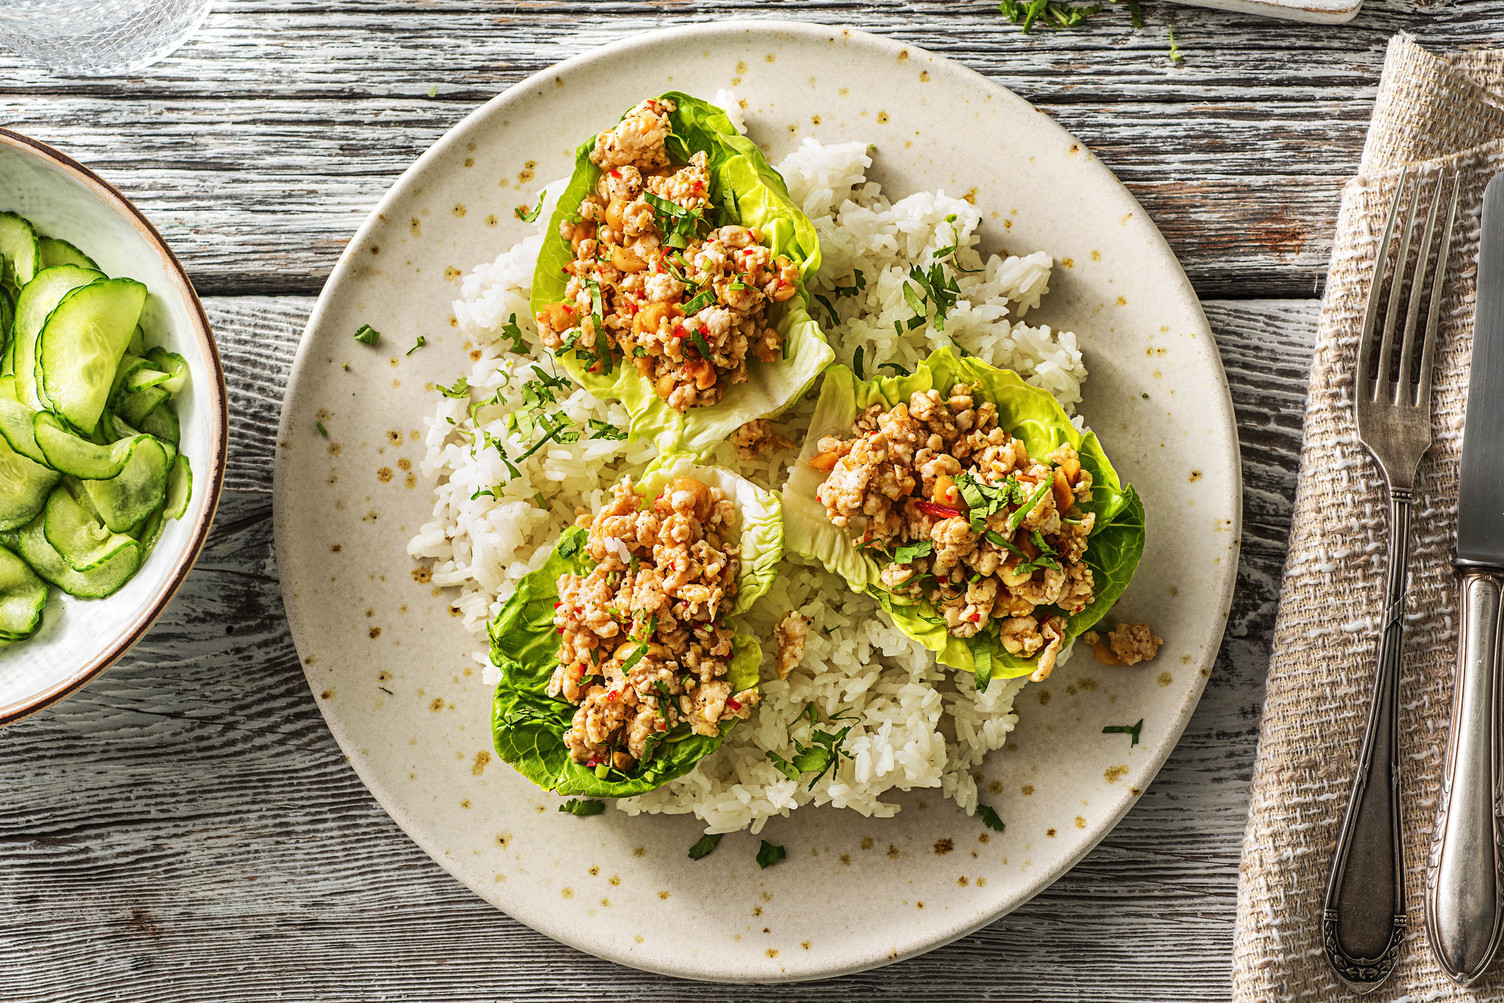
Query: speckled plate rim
[940,932]
[218,411]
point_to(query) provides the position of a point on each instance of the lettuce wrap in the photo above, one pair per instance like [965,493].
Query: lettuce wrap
[528,725]
[744,189]
[1033,415]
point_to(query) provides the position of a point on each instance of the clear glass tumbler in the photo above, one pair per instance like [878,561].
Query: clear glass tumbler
[97,37]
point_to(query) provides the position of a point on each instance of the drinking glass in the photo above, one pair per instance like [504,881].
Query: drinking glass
[97,37]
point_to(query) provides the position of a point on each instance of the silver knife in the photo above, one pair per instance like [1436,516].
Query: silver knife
[1464,899]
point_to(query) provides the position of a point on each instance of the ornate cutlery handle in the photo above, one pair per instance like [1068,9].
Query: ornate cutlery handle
[1464,903]
[1363,923]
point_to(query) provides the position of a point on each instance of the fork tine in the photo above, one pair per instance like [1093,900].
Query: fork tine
[1396,289]
[1365,375]
[1428,346]
[1402,391]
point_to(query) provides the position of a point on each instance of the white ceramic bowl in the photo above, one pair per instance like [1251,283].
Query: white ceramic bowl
[79,639]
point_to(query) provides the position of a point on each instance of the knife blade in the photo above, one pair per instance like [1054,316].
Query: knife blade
[1480,497]
[1464,897]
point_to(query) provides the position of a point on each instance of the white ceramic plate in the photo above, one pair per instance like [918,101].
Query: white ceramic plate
[387,663]
[79,638]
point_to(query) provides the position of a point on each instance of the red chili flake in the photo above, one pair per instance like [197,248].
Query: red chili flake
[592,763]
[975,618]
[662,726]
[561,630]
[615,173]
[679,330]
[611,696]
[733,703]
[938,511]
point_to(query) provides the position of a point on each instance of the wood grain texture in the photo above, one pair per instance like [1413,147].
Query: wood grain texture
[260,146]
[186,829]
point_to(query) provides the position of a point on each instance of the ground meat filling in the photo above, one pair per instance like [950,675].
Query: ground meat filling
[1130,644]
[971,522]
[791,633]
[644,643]
[756,438]
[653,283]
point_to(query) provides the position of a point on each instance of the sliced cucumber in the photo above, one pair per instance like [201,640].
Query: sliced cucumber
[64,451]
[150,531]
[7,314]
[77,534]
[137,344]
[179,488]
[136,405]
[8,388]
[24,485]
[56,251]
[33,306]
[17,429]
[20,250]
[162,422]
[22,596]
[81,345]
[138,490]
[174,365]
[102,580]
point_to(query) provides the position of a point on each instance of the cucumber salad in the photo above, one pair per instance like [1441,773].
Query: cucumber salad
[89,461]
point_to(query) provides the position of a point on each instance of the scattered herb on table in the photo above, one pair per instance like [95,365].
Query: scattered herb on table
[990,818]
[1131,730]
[367,335]
[417,344]
[583,806]
[768,854]
[322,430]
[705,844]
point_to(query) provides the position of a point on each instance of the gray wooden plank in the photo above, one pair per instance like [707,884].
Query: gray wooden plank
[260,146]
[185,828]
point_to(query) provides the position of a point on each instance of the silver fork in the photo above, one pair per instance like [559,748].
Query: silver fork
[1363,922]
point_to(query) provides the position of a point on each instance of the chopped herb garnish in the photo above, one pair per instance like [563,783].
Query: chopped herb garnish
[898,329]
[699,301]
[912,297]
[604,430]
[512,333]
[1131,730]
[543,502]
[768,854]
[1175,54]
[527,216]
[367,335]
[981,661]
[385,690]
[1050,13]
[859,282]
[699,340]
[460,389]
[583,806]
[1022,512]
[897,369]
[571,545]
[784,766]
[597,311]
[990,818]
[704,845]
[322,430]
[829,308]
[417,344]
[910,552]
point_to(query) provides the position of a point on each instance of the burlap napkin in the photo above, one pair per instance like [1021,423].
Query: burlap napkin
[1434,114]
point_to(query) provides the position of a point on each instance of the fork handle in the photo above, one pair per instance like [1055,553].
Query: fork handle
[1363,922]
[1464,902]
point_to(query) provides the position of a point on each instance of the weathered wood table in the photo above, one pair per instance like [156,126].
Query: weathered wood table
[185,827]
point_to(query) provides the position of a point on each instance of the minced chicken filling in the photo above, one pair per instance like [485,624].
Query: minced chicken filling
[971,522]
[653,283]
[644,644]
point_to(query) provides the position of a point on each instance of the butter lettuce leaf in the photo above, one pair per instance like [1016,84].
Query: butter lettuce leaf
[1033,415]
[745,189]
[528,725]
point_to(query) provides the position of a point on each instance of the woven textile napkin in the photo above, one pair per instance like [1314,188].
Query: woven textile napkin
[1433,114]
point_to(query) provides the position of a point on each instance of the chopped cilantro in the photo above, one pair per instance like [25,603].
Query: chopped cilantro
[512,333]
[699,301]
[909,552]
[704,845]
[1022,512]
[570,546]
[367,335]
[583,806]
[856,363]
[830,308]
[604,430]
[897,369]
[417,344]
[784,766]
[768,854]
[699,340]
[543,502]
[1175,54]
[1131,730]
[990,818]
[460,389]
[981,661]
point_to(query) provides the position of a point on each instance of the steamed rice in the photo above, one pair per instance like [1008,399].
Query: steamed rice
[913,724]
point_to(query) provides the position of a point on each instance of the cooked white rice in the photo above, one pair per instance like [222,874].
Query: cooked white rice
[912,724]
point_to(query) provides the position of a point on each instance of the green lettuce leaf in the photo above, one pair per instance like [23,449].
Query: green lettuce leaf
[744,189]
[528,725]
[1117,538]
